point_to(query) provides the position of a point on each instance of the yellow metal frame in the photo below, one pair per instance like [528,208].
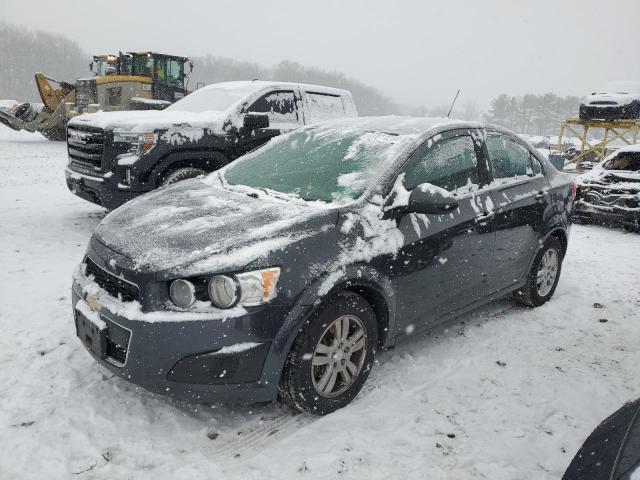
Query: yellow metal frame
[122,78]
[625,130]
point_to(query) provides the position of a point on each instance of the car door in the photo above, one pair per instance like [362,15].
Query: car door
[445,262]
[521,196]
[281,108]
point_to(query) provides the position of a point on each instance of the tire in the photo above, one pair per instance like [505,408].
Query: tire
[180,174]
[307,386]
[532,295]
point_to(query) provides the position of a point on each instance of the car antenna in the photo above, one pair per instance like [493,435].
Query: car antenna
[454,102]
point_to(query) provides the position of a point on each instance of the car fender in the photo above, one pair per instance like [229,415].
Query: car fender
[321,289]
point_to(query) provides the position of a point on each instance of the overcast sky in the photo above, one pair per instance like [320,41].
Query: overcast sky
[416,51]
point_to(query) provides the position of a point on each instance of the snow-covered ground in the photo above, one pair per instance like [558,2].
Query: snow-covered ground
[503,393]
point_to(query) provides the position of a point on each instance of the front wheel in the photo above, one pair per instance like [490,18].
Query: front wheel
[331,357]
[543,276]
[181,174]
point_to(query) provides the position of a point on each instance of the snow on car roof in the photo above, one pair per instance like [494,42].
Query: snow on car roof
[398,125]
[257,85]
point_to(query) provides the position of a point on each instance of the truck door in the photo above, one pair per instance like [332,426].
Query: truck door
[281,108]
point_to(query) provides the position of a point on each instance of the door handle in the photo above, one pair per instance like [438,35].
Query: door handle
[483,217]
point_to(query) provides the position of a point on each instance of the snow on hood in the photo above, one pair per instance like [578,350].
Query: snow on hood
[197,227]
[150,120]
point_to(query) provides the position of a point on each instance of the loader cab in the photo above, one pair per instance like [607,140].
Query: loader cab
[103,65]
[169,79]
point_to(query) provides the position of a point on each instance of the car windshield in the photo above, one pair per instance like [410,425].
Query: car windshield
[213,98]
[624,161]
[318,163]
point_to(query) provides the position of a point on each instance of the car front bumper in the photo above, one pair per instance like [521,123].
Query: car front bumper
[98,190]
[611,112]
[607,214]
[199,359]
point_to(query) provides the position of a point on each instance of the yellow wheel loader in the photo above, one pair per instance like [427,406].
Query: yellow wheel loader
[129,81]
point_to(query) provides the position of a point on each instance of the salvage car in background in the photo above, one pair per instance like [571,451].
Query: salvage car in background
[117,156]
[617,101]
[284,272]
[610,192]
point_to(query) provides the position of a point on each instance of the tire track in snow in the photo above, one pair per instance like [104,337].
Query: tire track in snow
[233,447]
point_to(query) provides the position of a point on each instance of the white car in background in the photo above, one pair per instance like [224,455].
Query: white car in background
[617,101]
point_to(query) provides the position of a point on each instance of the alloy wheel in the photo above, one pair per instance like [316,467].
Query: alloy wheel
[547,272]
[339,356]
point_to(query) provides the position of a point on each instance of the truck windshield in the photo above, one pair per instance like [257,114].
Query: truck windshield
[317,164]
[213,98]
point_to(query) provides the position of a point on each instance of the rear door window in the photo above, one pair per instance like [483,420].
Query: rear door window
[449,163]
[280,107]
[321,106]
[509,160]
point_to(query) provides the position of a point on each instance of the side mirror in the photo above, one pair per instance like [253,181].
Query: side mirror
[254,121]
[427,198]
[190,67]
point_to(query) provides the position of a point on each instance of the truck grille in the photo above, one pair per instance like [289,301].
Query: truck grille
[86,146]
[114,286]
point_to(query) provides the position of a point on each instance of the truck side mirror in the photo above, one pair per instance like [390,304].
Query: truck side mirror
[190,67]
[254,121]
[91,67]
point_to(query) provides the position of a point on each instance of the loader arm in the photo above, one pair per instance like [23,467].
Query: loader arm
[52,97]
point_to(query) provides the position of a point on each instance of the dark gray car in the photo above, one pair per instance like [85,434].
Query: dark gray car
[283,273]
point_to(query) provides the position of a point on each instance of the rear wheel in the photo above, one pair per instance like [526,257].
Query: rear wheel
[543,276]
[331,358]
[181,174]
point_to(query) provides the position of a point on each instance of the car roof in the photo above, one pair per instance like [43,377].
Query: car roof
[258,85]
[400,125]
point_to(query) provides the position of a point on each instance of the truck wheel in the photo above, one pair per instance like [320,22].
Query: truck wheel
[181,174]
[331,357]
[544,275]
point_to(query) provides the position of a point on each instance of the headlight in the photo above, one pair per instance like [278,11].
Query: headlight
[246,289]
[182,293]
[258,287]
[140,143]
[224,291]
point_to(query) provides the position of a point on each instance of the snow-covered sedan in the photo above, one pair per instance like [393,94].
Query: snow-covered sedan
[617,101]
[284,272]
[610,192]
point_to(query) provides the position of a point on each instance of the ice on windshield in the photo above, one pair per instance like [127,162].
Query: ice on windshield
[322,164]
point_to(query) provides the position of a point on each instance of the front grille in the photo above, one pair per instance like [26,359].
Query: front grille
[114,286]
[86,146]
[117,344]
[603,102]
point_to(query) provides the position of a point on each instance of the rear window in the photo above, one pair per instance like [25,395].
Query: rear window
[322,106]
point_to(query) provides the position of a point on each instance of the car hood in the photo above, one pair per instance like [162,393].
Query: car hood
[617,98]
[152,120]
[617,179]
[195,227]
